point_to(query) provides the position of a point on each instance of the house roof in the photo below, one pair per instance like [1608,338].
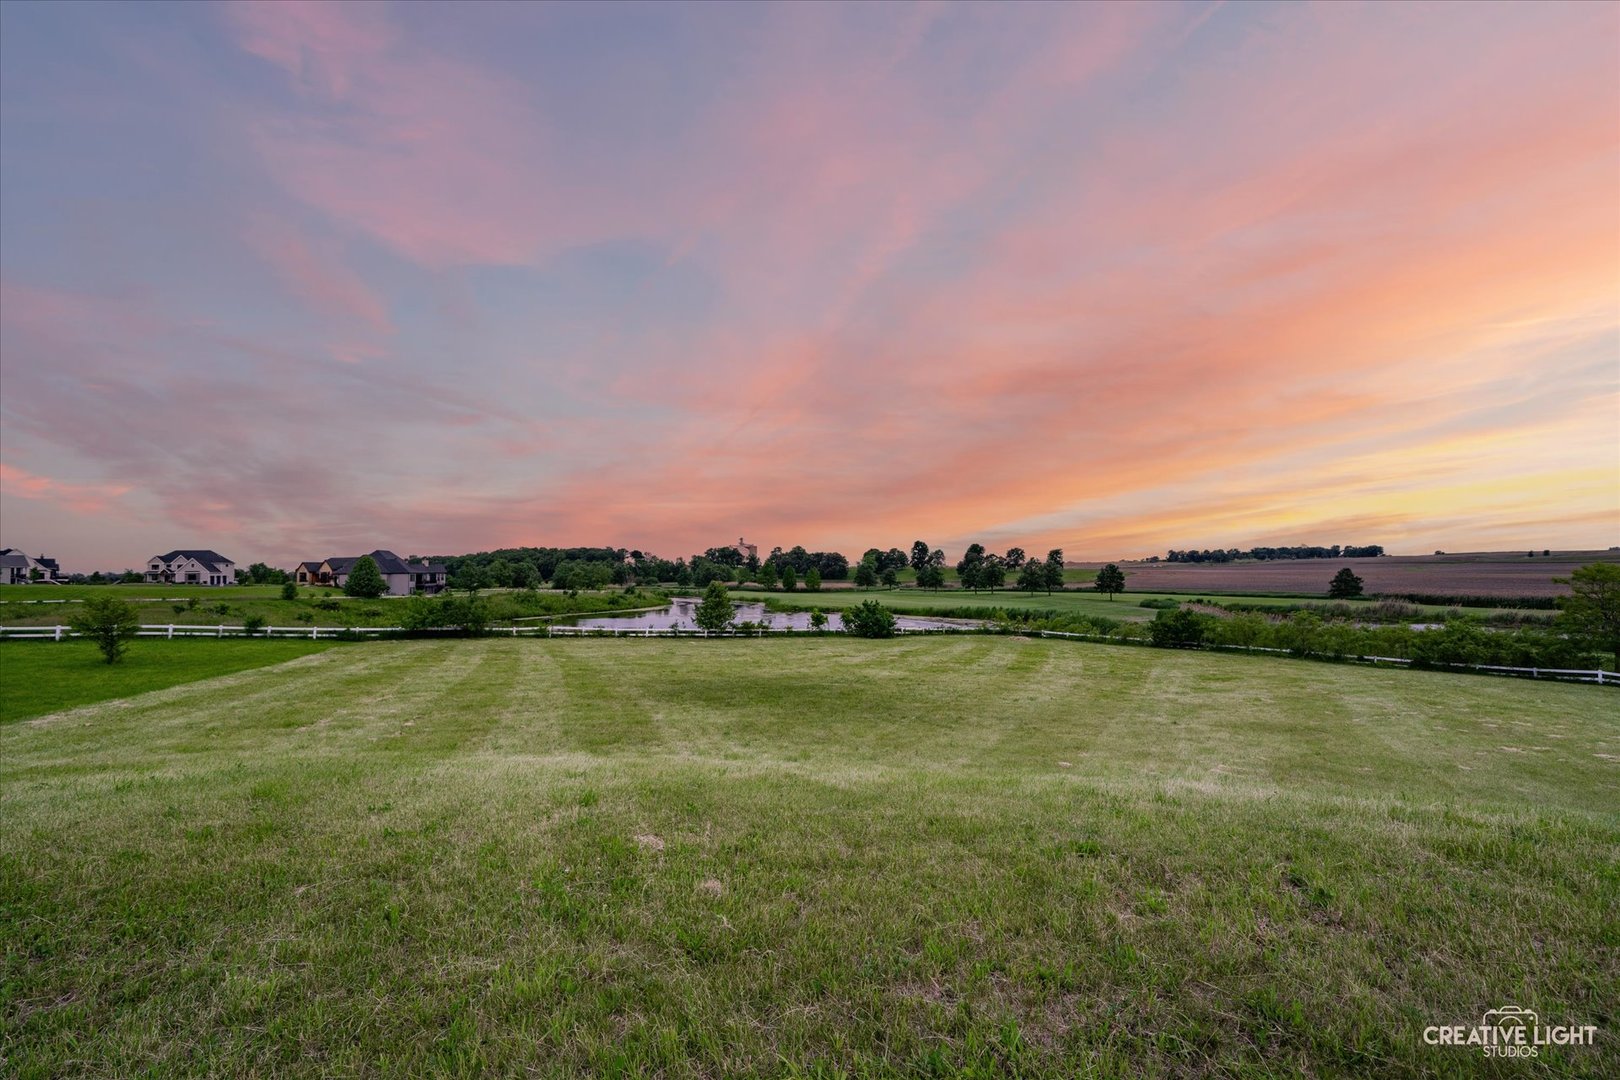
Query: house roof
[308,566]
[213,560]
[14,558]
[387,562]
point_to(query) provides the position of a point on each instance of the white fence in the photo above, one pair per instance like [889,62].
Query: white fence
[222,630]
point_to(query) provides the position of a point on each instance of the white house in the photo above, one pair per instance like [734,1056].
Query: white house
[191,568]
[17,567]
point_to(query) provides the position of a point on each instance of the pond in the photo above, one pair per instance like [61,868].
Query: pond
[681,611]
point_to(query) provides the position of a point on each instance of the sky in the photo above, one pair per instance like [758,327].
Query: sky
[293,280]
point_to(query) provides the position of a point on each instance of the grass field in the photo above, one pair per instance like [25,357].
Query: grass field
[39,680]
[944,856]
[151,593]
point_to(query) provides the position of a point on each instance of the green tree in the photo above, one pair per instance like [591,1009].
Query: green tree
[110,623]
[891,576]
[767,575]
[289,591]
[818,621]
[714,613]
[931,577]
[919,555]
[1015,558]
[525,576]
[1345,584]
[1032,576]
[869,619]
[365,580]
[1110,580]
[812,580]
[992,575]
[1054,569]
[790,579]
[967,574]
[865,574]
[1591,611]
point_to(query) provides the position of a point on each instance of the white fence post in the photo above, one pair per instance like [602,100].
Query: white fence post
[171,630]
[58,633]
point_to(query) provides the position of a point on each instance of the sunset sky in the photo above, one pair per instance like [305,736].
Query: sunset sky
[297,280]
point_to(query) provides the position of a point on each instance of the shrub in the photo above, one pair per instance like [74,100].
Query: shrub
[1178,629]
[869,619]
[289,591]
[818,621]
[714,613]
[328,603]
[178,609]
[110,623]
[253,624]
[1162,604]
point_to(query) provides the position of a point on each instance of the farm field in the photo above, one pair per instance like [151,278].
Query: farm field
[1481,574]
[1126,607]
[927,856]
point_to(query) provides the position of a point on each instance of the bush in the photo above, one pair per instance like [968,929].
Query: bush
[253,624]
[714,613]
[869,619]
[328,603]
[1178,629]
[1163,604]
[110,623]
[289,591]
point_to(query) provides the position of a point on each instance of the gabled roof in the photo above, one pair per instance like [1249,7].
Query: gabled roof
[310,566]
[387,562]
[212,560]
[13,558]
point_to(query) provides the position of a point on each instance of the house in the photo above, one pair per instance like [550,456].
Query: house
[17,567]
[747,550]
[199,567]
[401,577]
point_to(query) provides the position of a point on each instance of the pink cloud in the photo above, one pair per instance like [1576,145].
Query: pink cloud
[83,498]
[315,271]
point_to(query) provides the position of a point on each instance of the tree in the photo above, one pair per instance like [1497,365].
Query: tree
[1110,580]
[967,569]
[992,575]
[365,580]
[812,579]
[865,575]
[891,576]
[1014,558]
[931,577]
[767,575]
[1591,611]
[1032,576]
[818,621]
[790,579]
[110,623]
[714,614]
[289,591]
[869,619]
[1054,569]
[1344,585]
[919,555]
[525,576]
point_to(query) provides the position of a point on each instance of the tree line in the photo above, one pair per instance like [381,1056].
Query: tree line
[1263,554]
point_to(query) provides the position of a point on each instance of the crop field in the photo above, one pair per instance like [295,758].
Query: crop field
[1126,607]
[1488,574]
[957,856]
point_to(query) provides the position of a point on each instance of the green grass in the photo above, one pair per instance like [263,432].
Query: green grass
[962,856]
[205,594]
[43,677]
[314,607]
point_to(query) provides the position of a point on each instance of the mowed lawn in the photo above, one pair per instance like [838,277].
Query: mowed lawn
[925,857]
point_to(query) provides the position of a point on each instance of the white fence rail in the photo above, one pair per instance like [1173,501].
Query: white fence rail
[313,633]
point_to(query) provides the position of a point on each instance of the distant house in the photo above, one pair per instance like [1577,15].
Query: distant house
[402,577]
[17,567]
[747,550]
[201,567]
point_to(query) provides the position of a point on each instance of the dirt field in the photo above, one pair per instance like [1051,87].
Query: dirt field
[1475,574]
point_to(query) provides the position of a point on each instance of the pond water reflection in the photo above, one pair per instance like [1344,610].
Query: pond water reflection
[679,615]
